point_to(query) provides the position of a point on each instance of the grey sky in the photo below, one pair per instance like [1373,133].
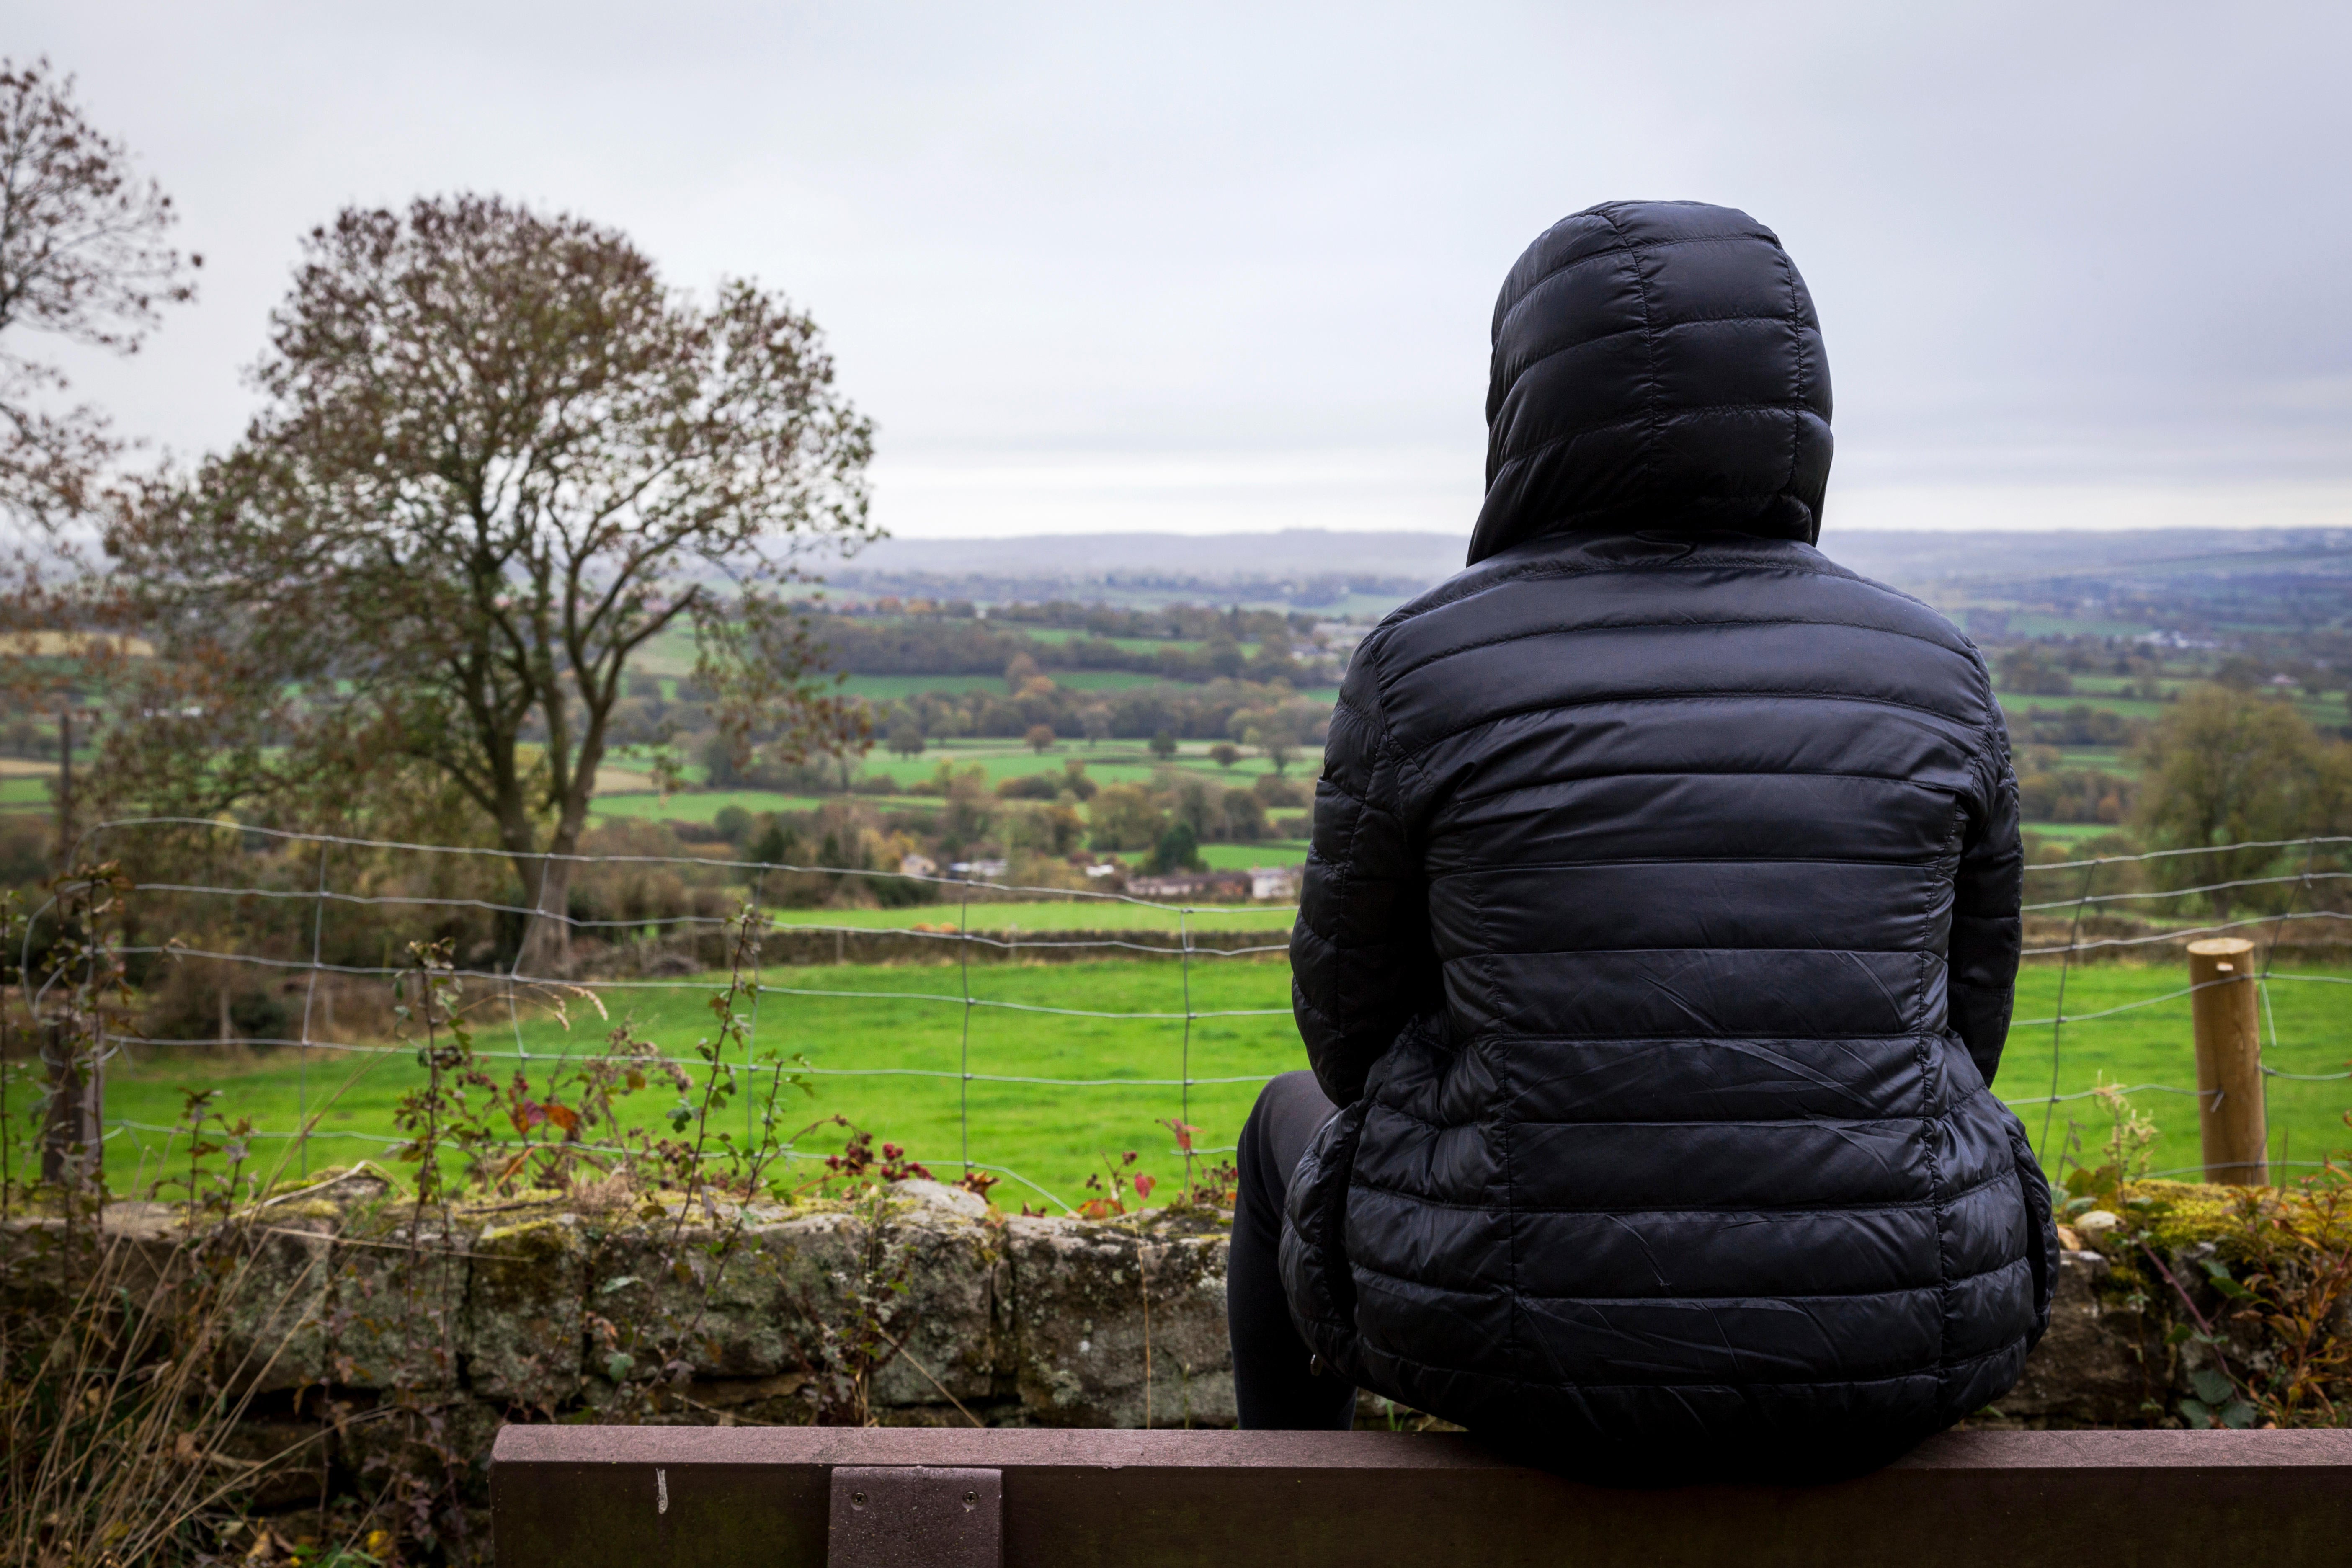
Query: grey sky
[1209,267]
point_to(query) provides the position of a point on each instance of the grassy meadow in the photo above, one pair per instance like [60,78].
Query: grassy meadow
[887,1041]
[897,1022]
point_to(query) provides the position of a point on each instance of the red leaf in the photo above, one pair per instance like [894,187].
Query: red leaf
[1143,1185]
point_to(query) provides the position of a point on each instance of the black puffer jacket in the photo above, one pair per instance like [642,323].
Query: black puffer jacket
[1660,929]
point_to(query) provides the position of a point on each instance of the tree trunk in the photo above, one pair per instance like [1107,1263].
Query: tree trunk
[73,1141]
[547,929]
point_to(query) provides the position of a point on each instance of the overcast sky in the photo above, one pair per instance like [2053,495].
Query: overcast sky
[1211,268]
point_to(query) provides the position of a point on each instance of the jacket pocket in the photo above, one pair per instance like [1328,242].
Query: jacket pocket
[1315,1273]
[2042,1237]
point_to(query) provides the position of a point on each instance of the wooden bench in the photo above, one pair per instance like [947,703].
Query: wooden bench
[651,1497]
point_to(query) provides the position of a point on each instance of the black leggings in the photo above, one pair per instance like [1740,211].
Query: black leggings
[1274,1383]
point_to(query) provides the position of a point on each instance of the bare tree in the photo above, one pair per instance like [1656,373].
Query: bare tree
[82,258]
[498,458]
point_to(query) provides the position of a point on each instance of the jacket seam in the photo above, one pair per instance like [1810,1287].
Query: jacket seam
[1633,263]
[1425,660]
[1621,331]
[1626,244]
[1939,1202]
[1485,869]
[1384,743]
[1513,1343]
[1889,1206]
[1697,695]
[1906,1036]
[1520,457]
[1934,1373]
[1486,953]
[1698,772]
[1796,360]
[1693,1298]
[1468,583]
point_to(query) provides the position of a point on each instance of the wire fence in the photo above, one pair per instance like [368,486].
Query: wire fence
[250,915]
[247,940]
[2287,896]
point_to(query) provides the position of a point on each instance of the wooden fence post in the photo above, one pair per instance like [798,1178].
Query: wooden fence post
[71,1136]
[2227,1012]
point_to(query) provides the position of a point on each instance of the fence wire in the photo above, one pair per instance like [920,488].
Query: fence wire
[2186,877]
[2111,907]
[516,987]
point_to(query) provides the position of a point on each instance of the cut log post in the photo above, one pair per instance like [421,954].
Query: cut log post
[2226,1008]
[71,1136]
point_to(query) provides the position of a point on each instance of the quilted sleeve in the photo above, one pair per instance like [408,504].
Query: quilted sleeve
[1360,960]
[1986,927]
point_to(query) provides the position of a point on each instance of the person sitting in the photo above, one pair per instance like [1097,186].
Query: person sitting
[1658,939]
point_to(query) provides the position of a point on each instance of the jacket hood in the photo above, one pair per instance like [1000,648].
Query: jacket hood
[1657,366]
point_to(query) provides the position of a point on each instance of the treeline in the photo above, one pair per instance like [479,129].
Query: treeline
[947,645]
[2317,662]
[2048,791]
[1189,622]
[1268,717]
[950,592]
[1046,826]
[1219,709]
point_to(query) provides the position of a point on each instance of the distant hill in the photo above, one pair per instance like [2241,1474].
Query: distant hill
[2151,577]
[1338,573]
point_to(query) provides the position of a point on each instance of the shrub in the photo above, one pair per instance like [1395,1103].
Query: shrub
[1177,850]
[1126,817]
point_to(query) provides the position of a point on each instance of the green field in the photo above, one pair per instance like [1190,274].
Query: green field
[910,1025]
[895,688]
[2105,693]
[2068,833]
[1266,852]
[1075,914]
[2017,709]
[2114,759]
[1058,636]
[1112,762]
[700,805]
[2150,1045]
[1106,762]
[2028,625]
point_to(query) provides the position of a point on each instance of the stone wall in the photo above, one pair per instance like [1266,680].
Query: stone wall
[920,1305]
